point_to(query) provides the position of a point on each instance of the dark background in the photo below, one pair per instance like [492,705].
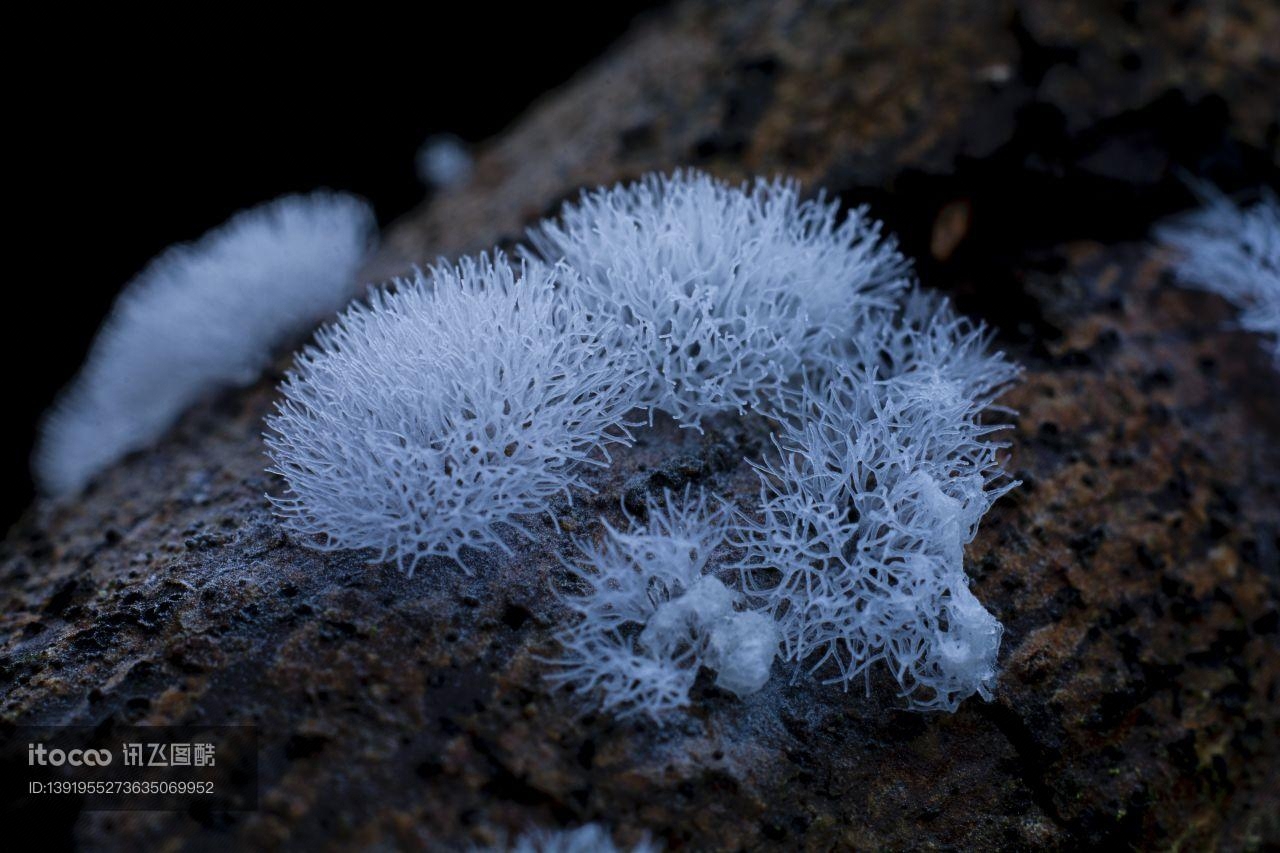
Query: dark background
[132,138]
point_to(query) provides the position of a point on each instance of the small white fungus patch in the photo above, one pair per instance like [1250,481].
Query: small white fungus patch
[653,615]
[444,162]
[201,317]
[1234,252]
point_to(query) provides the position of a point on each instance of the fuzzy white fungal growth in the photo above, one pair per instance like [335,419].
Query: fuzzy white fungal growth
[722,293]
[1234,252]
[200,317]
[652,615]
[443,412]
[879,480]
[591,838]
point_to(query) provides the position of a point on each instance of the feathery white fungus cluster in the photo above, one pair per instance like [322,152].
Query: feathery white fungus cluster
[448,410]
[201,317]
[722,294]
[1234,252]
[653,614]
[880,477]
[438,414]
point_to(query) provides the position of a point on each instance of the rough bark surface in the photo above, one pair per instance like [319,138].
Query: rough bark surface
[1021,150]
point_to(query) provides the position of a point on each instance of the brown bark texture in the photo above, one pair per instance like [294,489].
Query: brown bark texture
[1021,150]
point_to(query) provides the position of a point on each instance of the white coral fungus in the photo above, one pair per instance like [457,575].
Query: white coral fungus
[200,317]
[722,293]
[879,480]
[653,614]
[445,411]
[1234,252]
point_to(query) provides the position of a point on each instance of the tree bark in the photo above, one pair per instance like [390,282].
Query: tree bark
[1021,150]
